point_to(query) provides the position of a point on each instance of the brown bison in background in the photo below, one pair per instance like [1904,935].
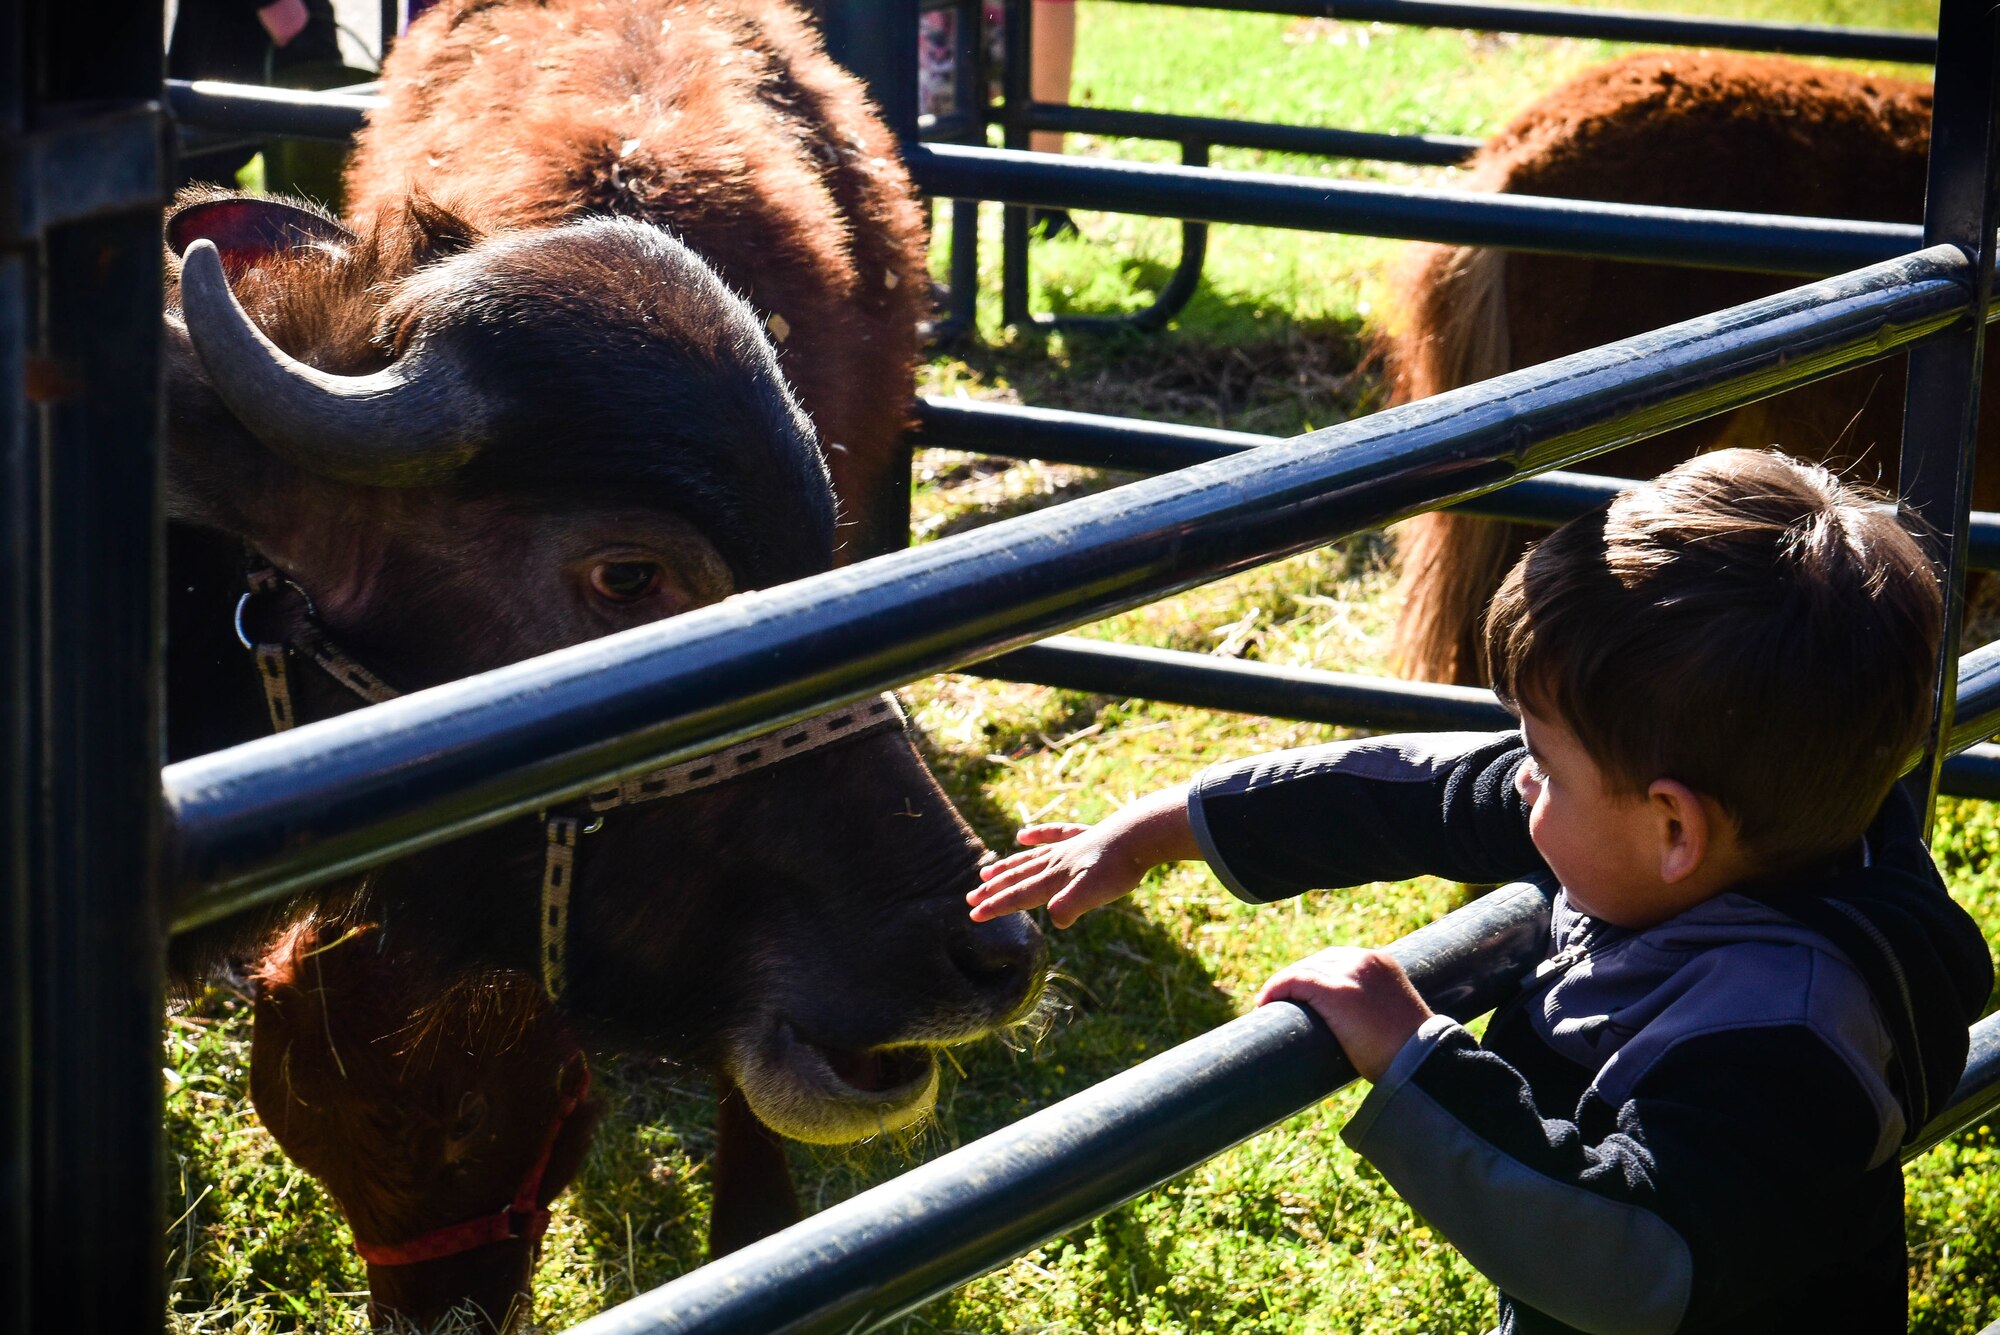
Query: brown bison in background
[607,264]
[1688,129]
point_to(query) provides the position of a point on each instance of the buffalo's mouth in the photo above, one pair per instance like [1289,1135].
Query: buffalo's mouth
[830,1095]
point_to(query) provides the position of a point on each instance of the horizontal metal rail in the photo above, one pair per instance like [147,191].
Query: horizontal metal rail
[1348,700]
[1429,150]
[257,820]
[1977,711]
[867,1260]
[1094,440]
[864,1261]
[1765,243]
[1611,25]
[252,109]
[1309,695]
[1977,1095]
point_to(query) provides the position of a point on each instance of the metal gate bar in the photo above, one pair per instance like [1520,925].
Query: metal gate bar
[1426,150]
[1692,237]
[1137,446]
[868,1259]
[1765,243]
[259,819]
[1941,403]
[1021,114]
[1348,700]
[81,936]
[1611,25]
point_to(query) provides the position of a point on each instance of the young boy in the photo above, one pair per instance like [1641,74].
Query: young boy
[1757,988]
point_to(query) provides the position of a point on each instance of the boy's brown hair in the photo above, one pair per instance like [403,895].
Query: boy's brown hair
[1746,624]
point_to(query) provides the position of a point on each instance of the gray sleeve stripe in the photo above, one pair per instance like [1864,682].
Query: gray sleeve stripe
[1599,1265]
[1209,852]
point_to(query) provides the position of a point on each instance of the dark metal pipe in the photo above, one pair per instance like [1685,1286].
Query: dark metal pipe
[84,182]
[1174,294]
[1941,392]
[866,1260]
[1612,25]
[1976,715]
[1977,1095]
[1307,694]
[1313,695]
[1765,243]
[274,814]
[1429,150]
[251,109]
[1132,445]
[1973,772]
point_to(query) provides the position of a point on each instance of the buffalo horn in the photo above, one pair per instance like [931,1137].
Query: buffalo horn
[406,425]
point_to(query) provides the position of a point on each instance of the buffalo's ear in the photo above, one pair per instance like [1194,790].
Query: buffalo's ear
[437,231]
[247,228]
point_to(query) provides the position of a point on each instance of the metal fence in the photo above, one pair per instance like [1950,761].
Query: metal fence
[102,849]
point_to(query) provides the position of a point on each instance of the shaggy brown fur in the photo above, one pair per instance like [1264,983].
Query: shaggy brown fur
[725,124]
[1689,129]
[443,1103]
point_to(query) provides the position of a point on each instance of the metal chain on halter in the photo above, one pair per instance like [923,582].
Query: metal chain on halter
[560,831]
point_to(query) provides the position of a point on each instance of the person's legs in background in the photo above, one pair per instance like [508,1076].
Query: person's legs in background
[1050,63]
[1051,60]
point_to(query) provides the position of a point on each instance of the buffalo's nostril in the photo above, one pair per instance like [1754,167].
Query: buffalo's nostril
[1000,953]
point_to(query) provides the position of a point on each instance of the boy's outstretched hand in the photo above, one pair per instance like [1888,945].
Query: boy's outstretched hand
[1363,996]
[1076,868]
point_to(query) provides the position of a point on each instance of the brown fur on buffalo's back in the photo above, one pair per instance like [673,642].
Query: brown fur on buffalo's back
[729,126]
[1686,129]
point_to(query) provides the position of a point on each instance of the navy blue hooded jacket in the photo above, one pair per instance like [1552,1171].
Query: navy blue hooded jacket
[1692,1127]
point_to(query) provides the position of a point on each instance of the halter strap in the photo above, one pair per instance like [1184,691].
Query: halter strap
[524,1217]
[304,636]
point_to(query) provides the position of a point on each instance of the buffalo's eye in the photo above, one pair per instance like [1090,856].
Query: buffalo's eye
[626,581]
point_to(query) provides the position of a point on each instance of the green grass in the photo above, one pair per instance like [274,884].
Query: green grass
[1289,1232]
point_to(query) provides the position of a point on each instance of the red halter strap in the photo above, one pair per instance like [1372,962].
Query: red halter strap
[522,1217]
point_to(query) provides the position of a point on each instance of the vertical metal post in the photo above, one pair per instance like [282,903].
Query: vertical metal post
[962,320]
[1018,92]
[1941,411]
[81,582]
[18,637]
[876,41]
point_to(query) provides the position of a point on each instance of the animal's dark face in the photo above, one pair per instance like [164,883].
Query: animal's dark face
[533,440]
[817,945]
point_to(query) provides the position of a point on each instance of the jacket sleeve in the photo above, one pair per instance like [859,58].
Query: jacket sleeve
[1733,1168]
[1381,809]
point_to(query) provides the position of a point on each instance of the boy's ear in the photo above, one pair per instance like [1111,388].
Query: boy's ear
[1684,828]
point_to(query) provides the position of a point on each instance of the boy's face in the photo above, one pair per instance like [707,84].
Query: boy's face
[1603,845]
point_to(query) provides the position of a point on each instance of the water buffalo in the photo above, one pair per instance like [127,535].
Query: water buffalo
[611,272]
[1688,129]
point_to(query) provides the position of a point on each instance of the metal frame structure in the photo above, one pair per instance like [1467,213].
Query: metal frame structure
[1019,115]
[81,930]
[88,811]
